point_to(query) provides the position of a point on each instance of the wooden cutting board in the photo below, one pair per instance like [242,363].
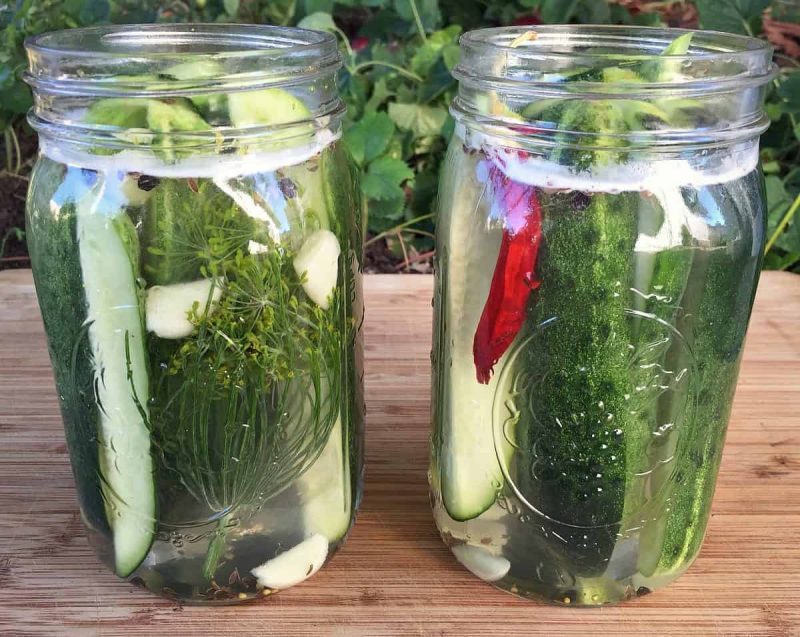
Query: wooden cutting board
[394,576]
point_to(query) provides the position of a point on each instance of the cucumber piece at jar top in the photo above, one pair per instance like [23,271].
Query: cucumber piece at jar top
[195,239]
[599,242]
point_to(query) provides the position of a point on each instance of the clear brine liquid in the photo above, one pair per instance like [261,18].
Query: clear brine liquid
[583,471]
[213,415]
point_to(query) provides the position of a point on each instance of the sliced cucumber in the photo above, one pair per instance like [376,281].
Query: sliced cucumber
[168,306]
[166,118]
[117,343]
[325,489]
[293,566]
[310,205]
[130,116]
[481,563]
[211,106]
[265,107]
[317,262]
[177,116]
[470,472]
[121,112]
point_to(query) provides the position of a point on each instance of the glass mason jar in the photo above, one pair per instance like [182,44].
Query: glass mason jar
[600,236]
[194,227]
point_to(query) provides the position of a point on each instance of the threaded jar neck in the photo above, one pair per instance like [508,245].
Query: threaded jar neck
[70,71]
[613,86]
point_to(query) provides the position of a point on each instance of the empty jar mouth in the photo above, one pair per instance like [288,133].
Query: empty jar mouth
[135,60]
[716,84]
[202,66]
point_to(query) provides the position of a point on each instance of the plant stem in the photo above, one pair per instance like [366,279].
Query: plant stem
[17,233]
[422,256]
[346,42]
[790,264]
[7,173]
[402,246]
[360,67]
[418,20]
[422,233]
[215,548]
[17,150]
[783,223]
[397,228]
[7,144]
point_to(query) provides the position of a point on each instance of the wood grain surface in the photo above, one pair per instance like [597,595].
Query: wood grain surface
[394,576]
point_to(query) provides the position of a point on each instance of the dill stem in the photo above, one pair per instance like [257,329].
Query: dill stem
[215,547]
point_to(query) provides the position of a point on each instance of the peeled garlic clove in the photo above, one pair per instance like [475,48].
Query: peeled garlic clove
[293,566]
[167,307]
[318,260]
[481,562]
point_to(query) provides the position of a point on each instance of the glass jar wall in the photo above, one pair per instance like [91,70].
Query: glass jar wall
[195,235]
[599,241]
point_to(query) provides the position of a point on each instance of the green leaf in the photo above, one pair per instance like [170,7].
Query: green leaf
[429,53]
[426,186]
[382,52]
[593,12]
[376,4]
[16,94]
[451,54]
[735,16]
[369,138]
[314,6]
[438,80]
[354,88]
[775,261]
[320,21]
[384,22]
[789,92]
[778,201]
[790,239]
[428,11]
[380,93]
[88,11]
[231,7]
[419,119]
[643,19]
[133,12]
[384,178]
[386,213]
[558,11]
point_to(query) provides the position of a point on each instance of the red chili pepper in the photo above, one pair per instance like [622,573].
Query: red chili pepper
[514,273]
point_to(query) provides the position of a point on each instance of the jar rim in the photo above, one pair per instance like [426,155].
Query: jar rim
[230,39]
[92,61]
[500,38]
[71,69]
[588,87]
[500,56]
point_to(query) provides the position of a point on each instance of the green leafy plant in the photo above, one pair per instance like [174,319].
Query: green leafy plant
[397,83]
